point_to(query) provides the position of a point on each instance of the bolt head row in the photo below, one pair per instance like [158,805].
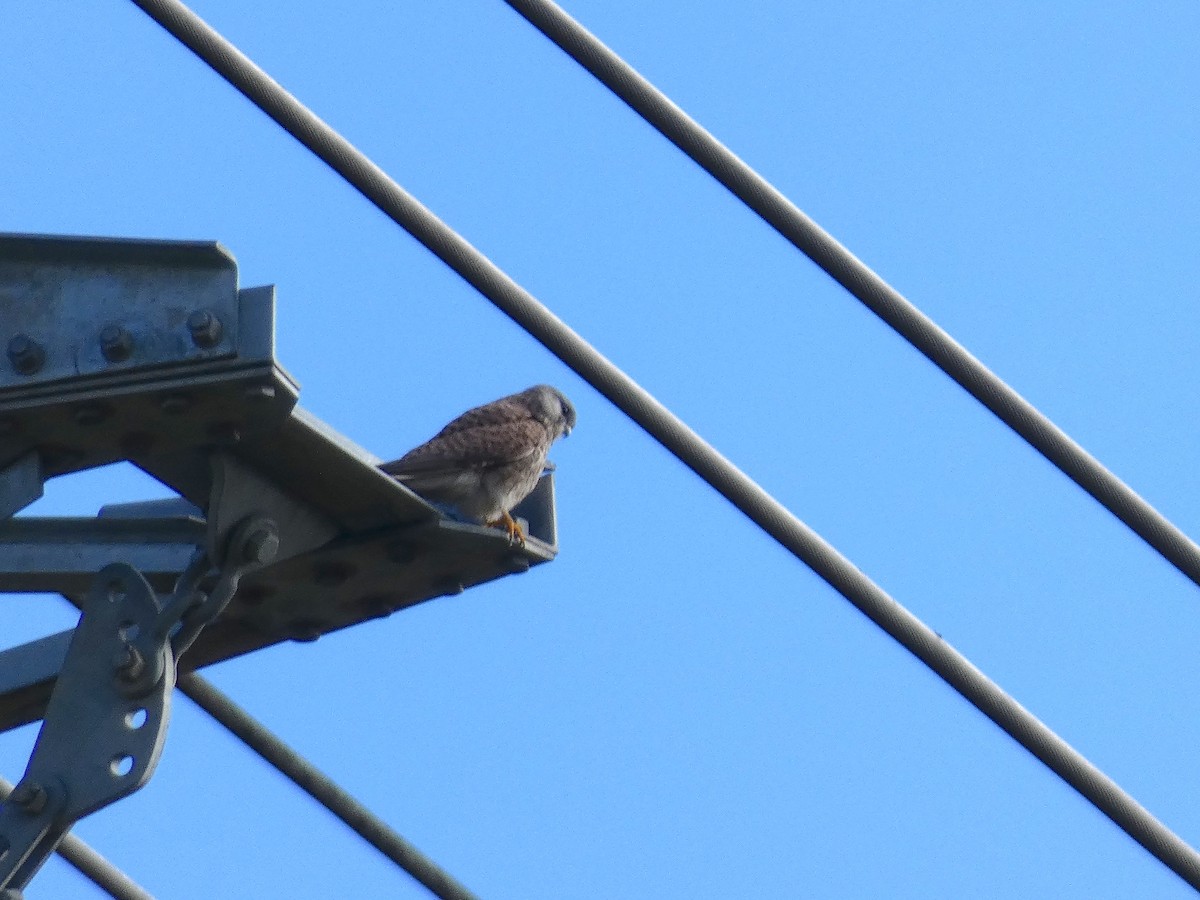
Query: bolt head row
[27,356]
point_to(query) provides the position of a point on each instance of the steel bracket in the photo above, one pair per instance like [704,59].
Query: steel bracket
[100,741]
[107,716]
[149,352]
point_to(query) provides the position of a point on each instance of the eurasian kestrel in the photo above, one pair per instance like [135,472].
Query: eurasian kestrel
[488,460]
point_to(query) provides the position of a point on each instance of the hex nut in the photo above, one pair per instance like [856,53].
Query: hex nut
[260,545]
[305,631]
[29,796]
[128,663]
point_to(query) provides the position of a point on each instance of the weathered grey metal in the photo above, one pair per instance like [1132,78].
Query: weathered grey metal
[351,580]
[251,544]
[356,577]
[103,732]
[221,429]
[63,555]
[170,413]
[93,306]
[27,675]
[20,484]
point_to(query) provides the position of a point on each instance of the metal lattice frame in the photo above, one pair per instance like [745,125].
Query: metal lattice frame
[675,436]
[685,444]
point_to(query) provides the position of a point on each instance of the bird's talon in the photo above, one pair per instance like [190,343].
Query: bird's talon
[516,535]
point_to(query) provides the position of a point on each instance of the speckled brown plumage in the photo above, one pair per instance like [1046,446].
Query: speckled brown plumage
[488,459]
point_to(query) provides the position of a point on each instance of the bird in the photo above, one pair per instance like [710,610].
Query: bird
[489,459]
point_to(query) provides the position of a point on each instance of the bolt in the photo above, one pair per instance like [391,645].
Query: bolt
[260,545]
[128,663]
[30,796]
[25,354]
[205,328]
[116,343]
[305,631]
[378,605]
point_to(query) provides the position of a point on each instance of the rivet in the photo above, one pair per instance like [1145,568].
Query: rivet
[378,605]
[25,354]
[305,631]
[116,343]
[205,328]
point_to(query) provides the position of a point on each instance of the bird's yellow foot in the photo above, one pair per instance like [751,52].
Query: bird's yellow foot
[515,534]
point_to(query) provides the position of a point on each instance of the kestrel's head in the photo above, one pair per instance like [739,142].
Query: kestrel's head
[551,408]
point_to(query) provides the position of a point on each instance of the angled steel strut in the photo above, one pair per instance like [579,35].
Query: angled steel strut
[149,352]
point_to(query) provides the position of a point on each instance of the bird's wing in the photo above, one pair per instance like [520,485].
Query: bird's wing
[464,445]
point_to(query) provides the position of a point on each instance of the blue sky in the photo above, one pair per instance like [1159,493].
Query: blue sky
[676,707]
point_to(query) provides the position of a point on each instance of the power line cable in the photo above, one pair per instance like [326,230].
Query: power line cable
[852,274]
[91,864]
[321,788]
[675,436]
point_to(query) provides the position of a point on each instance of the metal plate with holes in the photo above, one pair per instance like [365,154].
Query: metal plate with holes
[353,579]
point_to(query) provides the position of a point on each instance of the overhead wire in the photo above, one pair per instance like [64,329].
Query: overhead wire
[321,788]
[777,521]
[863,283]
[91,864]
